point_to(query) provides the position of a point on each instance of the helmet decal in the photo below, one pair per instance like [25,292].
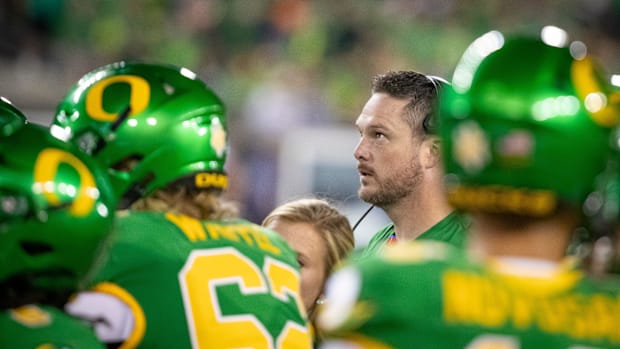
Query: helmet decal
[139,96]
[210,180]
[471,147]
[218,137]
[592,93]
[499,198]
[45,169]
[516,147]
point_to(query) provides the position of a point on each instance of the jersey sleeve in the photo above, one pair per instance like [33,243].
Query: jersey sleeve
[342,292]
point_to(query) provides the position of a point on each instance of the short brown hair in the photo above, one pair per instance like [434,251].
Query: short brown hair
[421,91]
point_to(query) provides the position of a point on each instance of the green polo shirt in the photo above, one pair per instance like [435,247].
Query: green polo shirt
[452,229]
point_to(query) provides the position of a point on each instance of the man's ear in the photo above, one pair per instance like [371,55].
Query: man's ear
[431,152]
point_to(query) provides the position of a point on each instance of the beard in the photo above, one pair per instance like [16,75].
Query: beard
[394,187]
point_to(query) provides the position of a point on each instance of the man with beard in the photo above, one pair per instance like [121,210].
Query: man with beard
[526,132]
[399,161]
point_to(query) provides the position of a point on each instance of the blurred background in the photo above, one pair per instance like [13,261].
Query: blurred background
[293,73]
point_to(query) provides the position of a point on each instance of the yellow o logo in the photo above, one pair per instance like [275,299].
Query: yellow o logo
[582,72]
[140,94]
[46,168]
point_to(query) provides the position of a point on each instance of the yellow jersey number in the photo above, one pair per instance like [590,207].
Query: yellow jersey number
[209,328]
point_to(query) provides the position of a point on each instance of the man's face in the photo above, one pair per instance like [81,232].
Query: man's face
[387,153]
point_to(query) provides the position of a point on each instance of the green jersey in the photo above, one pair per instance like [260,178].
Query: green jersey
[431,295]
[451,229]
[44,327]
[186,283]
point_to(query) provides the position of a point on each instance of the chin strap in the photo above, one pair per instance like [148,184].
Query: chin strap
[135,192]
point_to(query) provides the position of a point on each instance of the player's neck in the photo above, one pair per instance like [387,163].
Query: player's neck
[419,212]
[545,239]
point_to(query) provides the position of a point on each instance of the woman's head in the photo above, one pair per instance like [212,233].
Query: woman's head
[321,236]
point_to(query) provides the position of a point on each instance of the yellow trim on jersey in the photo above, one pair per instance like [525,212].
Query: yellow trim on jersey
[45,346]
[366,342]
[564,278]
[414,251]
[31,316]
[139,327]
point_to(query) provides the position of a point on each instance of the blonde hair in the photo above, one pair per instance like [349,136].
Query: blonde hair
[333,227]
[202,205]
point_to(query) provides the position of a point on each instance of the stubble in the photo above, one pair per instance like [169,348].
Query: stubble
[393,188]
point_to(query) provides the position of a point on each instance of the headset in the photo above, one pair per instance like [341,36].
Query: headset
[430,122]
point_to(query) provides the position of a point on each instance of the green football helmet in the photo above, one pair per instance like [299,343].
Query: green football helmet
[525,124]
[56,212]
[161,118]
[11,118]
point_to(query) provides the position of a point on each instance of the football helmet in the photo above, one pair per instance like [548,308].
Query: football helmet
[11,118]
[525,124]
[56,211]
[150,125]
